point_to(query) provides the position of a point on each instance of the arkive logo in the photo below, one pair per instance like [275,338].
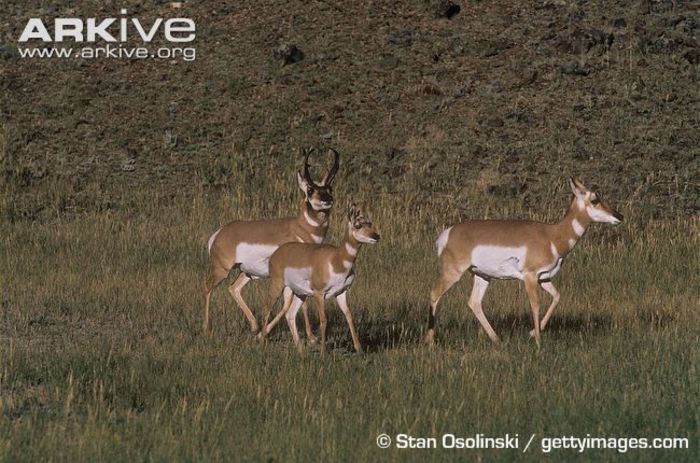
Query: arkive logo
[109,38]
[176,30]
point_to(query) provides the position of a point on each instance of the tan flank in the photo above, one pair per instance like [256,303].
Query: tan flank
[249,244]
[506,249]
[322,271]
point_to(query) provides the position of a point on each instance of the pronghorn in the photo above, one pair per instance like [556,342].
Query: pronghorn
[249,244]
[529,251]
[323,271]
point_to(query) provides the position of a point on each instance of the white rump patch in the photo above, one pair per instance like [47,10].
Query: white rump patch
[578,228]
[299,280]
[255,258]
[211,240]
[442,241]
[498,261]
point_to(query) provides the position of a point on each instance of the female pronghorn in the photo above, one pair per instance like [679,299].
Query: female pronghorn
[249,244]
[529,251]
[318,270]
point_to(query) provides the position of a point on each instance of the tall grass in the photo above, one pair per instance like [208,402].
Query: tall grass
[102,356]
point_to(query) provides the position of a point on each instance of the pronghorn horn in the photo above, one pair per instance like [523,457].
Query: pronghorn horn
[307,175]
[334,169]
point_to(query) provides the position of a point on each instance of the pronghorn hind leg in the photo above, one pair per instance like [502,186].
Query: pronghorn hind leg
[276,287]
[288,296]
[448,278]
[549,287]
[342,301]
[477,295]
[235,289]
[307,323]
[531,288]
[215,277]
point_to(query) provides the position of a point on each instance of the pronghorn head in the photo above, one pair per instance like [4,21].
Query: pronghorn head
[360,226]
[597,209]
[318,195]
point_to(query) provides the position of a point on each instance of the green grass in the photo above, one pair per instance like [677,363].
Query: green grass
[103,358]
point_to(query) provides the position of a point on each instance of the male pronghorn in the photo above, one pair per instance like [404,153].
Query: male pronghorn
[319,270]
[249,244]
[529,251]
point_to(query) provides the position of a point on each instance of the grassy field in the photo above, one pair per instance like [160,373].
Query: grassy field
[115,173]
[102,354]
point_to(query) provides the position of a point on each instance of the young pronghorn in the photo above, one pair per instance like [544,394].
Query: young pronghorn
[319,270]
[249,244]
[529,251]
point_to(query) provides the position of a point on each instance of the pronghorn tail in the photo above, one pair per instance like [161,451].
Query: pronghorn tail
[211,240]
[442,241]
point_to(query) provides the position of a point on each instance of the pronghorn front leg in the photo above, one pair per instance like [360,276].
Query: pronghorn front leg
[235,289]
[549,287]
[321,307]
[342,301]
[531,288]
[307,323]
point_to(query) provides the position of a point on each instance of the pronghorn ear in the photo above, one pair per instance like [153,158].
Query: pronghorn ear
[577,188]
[352,209]
[303,184]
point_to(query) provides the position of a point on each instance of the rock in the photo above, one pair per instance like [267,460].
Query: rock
[289,54]
[574,69]
[619,23]
[692,56]
[445,8]
[403,38]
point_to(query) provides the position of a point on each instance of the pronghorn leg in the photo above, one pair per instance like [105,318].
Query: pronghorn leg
[478,292]
[307,323]
[276,287]
[235,290]
[448,278]
[342,301]
[549,287]
[288,295]
[216,275]
[531,288]
[292,320]
[321,307]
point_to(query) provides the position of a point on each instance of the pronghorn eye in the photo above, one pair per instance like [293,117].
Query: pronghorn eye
[595,200]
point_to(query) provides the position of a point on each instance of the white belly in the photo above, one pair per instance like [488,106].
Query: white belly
[255,258]
[338,283]
[498,261]
[299,280]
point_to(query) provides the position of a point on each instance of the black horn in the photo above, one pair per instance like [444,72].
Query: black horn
[307,174]
[328,179]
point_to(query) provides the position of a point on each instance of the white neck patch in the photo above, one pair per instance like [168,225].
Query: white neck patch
[578,228]
[310,221]
[572,242]
[351,250]
[347,264]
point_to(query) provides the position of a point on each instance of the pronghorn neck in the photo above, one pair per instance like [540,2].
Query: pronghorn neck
[313,217]
[349,249]
[573,226]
